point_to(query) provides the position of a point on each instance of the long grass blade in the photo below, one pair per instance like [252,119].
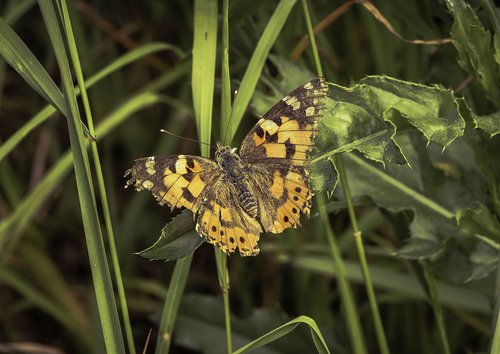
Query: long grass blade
[111,328]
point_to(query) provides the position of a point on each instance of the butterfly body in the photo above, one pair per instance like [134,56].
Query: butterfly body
[237,196]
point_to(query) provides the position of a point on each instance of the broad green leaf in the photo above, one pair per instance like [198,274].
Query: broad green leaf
[178,239]
[200,326]
[367,116]
[422,190]
[417,248]
[475,50]
[479,221]
[21,59]
[397,282]
[484,261]
[485,156]
[489,123]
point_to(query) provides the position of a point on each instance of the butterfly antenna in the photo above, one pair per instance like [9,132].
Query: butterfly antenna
[183,137]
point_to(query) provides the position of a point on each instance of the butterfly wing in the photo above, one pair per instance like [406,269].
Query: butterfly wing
[276,150]
[223,222]
[176,180]
[197,184]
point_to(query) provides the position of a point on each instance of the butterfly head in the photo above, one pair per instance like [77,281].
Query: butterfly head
[226,155]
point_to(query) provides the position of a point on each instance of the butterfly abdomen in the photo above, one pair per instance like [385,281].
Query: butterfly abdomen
[247,200]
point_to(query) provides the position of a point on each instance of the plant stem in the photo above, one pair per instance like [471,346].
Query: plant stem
[436,305]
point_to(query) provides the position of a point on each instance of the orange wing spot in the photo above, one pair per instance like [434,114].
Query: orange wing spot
[275,150]
[175,184]
[296,137]
[196,166]
[289,125]
[278,187]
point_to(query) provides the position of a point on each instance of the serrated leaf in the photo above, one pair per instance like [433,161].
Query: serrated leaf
[489,123]
[367,116]
[178,239]
[474,45]
[418,248]
[479,221]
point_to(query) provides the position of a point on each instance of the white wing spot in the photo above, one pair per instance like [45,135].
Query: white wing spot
[150,167]
[308,86]
[147,184]
[310,111]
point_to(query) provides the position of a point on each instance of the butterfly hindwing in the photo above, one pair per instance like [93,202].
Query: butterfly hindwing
[223,222]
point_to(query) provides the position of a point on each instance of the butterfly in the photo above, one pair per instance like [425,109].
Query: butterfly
[238,195]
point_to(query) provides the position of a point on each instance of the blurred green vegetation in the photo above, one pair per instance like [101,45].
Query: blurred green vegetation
[430,232]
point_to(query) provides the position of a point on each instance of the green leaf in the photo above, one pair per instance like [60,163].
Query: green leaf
[178,239]
[384,277]
[367,116]
[479,221]
[418,248]
[200,326]
[475,50]
[285,329]
[489,123]
[484,261]
[421,190]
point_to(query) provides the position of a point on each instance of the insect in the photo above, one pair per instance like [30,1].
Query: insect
[236,196]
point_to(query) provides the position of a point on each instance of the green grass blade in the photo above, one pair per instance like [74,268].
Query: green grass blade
[430,281]
[396,282]
[21,59]
[254,68]
[349,303]
[203,73]
[171,304]
[355,330]
[100,177]
[103,287]
[48,111]
[204,59]
[285,329]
